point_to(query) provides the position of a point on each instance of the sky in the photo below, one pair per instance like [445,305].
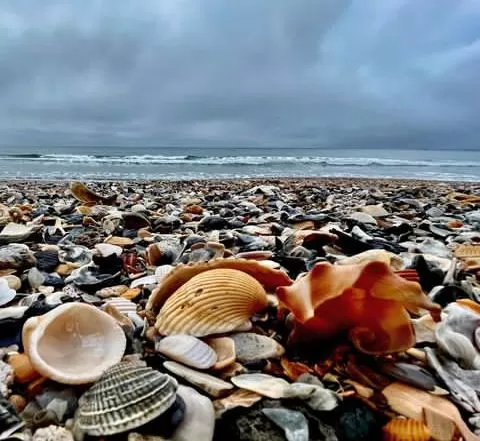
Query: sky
[286,73]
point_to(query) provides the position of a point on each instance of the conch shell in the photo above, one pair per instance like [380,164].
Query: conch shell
[270,278]
[212,302]
[369,301]
[73,343]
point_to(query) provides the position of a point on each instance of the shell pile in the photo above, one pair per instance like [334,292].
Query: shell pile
[240,310]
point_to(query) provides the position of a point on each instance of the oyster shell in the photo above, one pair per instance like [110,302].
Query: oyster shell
[212,302]
[73,343]
[128,395]
[188,350]
[178,276]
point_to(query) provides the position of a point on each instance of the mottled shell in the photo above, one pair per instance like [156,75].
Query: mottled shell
[74,343]
[180,274]
[128,395]
[406,430]
[212,302]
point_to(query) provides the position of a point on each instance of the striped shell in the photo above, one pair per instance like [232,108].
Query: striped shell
[128,395]
[180,274]
[406,430]
[188,350]
[212,302]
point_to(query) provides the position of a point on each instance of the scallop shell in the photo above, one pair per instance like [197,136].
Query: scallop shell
[212,302]
[188,350]
[406,430]
[73,343]
[465,251]
[123,305]
[268,277]
[128,395]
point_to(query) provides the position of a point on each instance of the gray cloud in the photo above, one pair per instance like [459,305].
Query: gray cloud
[215,72]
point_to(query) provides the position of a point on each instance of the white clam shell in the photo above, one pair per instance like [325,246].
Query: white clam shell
[6,293]
[188,350]
[263,384]
[73,343]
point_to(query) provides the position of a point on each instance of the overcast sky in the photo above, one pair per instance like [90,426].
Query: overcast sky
[240,72]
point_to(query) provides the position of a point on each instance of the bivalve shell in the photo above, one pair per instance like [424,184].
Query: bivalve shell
[212,302]
[406,430]
[128,395]
[73,343]
[188,350]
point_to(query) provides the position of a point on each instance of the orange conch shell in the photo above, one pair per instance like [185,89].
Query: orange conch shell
[270,278]
[212,302]
[368,300]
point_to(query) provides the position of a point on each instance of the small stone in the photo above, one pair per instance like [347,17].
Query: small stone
[131,293]
[194,209]
[292,422]
[111,291]
[47,260]
[35,278]
[13,282]
[16,256]
[250,346]
[65,269]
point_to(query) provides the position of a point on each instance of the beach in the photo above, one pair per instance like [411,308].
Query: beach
[276,308]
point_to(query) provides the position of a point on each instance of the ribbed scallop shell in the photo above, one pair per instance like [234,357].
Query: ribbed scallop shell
[212,302]
[128,395]
[406,430]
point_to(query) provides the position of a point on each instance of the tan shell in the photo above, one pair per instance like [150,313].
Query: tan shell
[73,343]
[212,302]
[224,347]
[179,275]
[465,251]
[83,194]
[389,258]
[406,430]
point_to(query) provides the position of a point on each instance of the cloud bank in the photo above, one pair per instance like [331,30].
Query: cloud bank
[364,73]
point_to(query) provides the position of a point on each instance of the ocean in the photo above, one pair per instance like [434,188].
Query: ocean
[97,163]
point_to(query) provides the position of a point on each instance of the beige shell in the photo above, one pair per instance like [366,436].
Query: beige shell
[73,343]
[224,347]
[180,274]
[212,302]
[188,350]
[389,258]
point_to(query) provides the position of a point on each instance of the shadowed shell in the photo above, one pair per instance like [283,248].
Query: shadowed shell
[212,302]
[73,343]
[179,275]
[367,300]
[128,395]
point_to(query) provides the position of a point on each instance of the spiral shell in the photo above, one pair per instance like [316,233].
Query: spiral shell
[212,302]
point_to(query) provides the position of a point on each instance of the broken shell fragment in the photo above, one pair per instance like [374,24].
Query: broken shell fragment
[250,346]
[406,430]
[224,347]
[83,194]
[212,302]
[22,367]
[210,384]
[367,300]
[73,343]
[128,395]
[263,384]
[240,398]
[387,257]
[188,350]
[6,293]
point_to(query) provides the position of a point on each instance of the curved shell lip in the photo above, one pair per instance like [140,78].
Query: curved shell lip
[33,331]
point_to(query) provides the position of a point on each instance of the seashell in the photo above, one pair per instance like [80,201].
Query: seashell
[13,282]
[294,369]
[91,277]
[16,256]
[250,346]
[255,255]
[240,398]
[75,254]
[6,378]
[47,260]
[128,395]
[181,274]
[465,251]
[162,271]
[124,306]
[83,194]
[199,419]
[147,280]
[111,291]
[18,402]
[224,347]
[469,304]
[263,384]
[389,258]
[367,300]
[119,241]
[316,397]
[410,374]
[210,384]
[9,420]
[406,430]
[188,350]
[73,343]
[425,329]
[106,249]
[52,433]
[131,293]
[293,423]
[23,370]
[13,232]
[164,252]
[6,293]
[35,278]
[212,302]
